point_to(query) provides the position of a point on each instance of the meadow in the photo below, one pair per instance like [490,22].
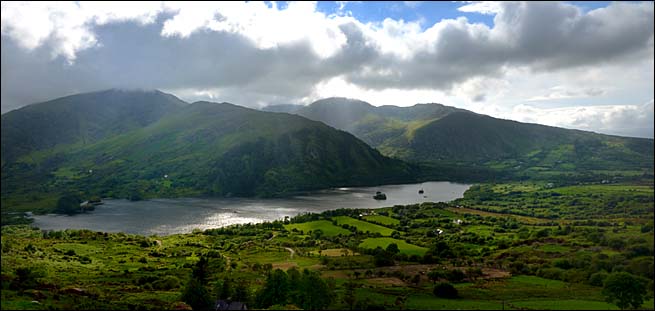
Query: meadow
[495,259]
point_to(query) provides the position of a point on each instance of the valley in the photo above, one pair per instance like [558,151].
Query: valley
[209,203]
[496,259]
[327,155]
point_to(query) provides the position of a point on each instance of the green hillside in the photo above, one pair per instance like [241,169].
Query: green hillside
[453,143]
[81,119]
[204,149]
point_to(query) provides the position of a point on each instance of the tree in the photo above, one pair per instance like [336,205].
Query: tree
[196,295]
[474,272]
[624,290]
[455,275]
[315,294]
[241,292]
[382,258]
[445,290]
[225,290]
[393,248]
[68,204]
[349,297]
[275,291]
[200,270]
[435,275]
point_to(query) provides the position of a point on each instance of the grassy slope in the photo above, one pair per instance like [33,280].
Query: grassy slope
[209,148]
[404,247]
[482,147]
[81,119]
[326,226]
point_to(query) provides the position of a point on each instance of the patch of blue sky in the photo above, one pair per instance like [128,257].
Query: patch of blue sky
[427,12]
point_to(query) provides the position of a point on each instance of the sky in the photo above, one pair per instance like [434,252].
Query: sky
[582,65]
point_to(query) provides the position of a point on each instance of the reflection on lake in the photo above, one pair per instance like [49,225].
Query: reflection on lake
[182,215]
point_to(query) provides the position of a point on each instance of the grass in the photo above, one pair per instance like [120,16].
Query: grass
[429,302]
[404,247]
[564,304]
[384,220]
[326,226]
[335,252]
[554,248]
[526,280]
[363,226]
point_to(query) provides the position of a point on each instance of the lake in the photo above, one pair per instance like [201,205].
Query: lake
[182,215]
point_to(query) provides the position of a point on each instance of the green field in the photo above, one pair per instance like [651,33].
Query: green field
[385,220]
[564,304]
[404,247]
[429,302]
[326,226]
[363,226]
[525,262]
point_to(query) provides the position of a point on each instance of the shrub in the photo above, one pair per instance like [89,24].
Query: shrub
[455,275]
[167,283]
[551,273]
[597,278]
[445,290]
[562,263]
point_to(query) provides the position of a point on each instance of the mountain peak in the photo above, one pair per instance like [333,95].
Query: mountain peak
[340,101]
[82,118]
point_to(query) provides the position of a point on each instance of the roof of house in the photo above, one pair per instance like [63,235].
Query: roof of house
[230,305]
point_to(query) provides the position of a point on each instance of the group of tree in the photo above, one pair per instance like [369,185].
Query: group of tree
[305,289]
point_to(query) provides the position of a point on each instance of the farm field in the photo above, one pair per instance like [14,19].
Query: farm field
[404,247]
[363,226]
[493,260]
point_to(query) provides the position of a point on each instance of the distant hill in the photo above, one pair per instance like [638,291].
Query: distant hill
[446,138]
[287,108]
[81,119]
[197,149]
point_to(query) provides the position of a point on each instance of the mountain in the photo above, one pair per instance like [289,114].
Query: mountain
[456,140]
[81,119]
[286,108]
[199,149]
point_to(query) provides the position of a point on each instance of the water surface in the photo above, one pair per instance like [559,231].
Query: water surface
[182,215]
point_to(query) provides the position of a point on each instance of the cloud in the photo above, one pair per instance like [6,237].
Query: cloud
[482,7]
[66,25]
[543,36]
[254,53]
[412,4]
[562,92]
[627,120]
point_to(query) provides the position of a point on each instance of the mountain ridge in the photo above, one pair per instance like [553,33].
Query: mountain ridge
[443,135]
[203,148]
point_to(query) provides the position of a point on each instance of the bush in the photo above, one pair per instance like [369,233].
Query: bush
[616,243]
[68,204]
[455,275]
[562,263]
[382,258]
[445,290]
[26,277]
[551,273]
[167,283]
[598,278]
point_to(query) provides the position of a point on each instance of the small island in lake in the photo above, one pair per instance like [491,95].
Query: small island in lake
[380,196]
